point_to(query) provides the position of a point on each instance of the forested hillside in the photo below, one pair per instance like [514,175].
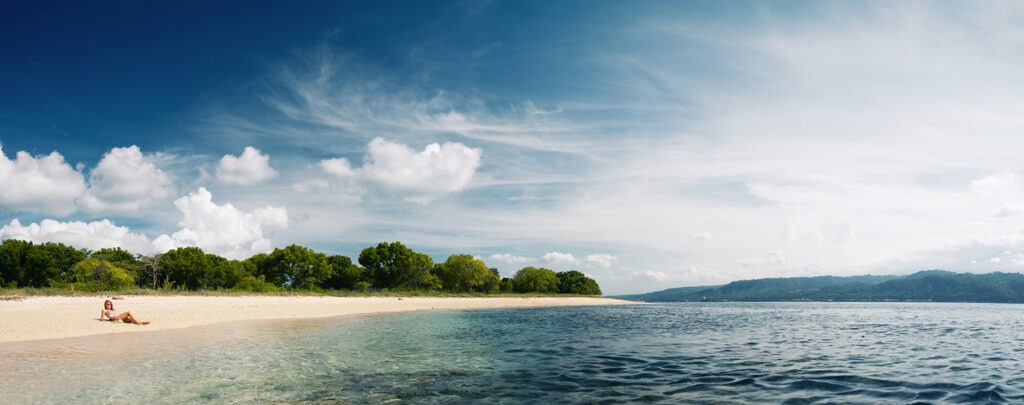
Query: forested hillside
[931,285]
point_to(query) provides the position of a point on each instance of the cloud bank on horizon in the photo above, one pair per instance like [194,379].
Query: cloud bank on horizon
[648,145]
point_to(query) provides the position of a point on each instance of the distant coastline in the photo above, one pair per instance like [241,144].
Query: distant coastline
[923,286]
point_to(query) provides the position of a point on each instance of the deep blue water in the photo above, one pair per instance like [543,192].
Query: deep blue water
[656,353]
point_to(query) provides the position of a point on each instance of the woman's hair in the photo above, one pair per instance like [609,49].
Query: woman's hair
[108,302]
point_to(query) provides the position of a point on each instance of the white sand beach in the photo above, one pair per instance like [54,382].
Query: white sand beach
[37,318]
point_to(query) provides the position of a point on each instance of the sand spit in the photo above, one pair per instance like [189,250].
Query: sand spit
[37,318]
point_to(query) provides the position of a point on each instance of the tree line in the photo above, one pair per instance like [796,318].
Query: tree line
[385,267]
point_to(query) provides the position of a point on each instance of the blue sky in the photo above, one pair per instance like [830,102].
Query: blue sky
[647,144]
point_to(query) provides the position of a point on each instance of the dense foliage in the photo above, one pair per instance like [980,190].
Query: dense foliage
[387,266]
[931,285]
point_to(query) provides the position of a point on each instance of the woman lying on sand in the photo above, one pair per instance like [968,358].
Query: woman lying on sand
[110,315]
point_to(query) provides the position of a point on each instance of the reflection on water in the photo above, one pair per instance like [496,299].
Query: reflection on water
[661,353]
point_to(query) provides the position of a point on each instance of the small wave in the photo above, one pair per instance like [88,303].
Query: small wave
[817,385]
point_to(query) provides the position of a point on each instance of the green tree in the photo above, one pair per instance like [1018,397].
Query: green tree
[532,279]
[493,284]
[223,273]
[300,267]
[113,255]
[419,272]
[506,285]
[344,273]
[464,273]
[185,267]
[26,264]
[387,263]
[575,282]
[38,268]
[264,268]
[14,262]
[62,259]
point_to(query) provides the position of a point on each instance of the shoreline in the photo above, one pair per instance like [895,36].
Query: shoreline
[59,317]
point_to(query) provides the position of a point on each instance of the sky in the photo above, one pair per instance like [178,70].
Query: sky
[649,145]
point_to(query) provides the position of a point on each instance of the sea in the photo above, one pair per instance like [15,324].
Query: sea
[662,353]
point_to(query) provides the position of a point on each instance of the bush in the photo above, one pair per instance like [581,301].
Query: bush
[256,284]
[99,275]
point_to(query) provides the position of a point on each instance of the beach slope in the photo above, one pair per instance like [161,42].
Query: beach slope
[37,318]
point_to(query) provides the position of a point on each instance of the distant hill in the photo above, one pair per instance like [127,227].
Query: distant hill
[930,285]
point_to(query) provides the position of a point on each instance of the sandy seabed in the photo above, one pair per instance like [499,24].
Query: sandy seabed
[39,318]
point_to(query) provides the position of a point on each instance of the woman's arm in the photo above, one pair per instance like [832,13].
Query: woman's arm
[101,314]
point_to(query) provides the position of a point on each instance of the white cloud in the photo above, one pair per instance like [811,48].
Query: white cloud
[249,168]
[853,114]
[44,184]
[772,258]
[1008,210]
[338,167]
[601,260]
[510,259]
[222,229]
[219,229]
[92,235]
[559,258]
[125,182]
[416,176]
[994,184]
[656,276]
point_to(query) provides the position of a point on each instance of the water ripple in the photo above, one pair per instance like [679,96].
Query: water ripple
[800,353]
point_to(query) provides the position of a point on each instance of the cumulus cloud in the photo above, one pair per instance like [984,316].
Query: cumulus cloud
[250,168]
[417,176]
[43,184]
[993,184]
[510,259]
[125,181]
[222,229]
[219,229]
[601,260]
[338,167]
[559,258]
[92,235]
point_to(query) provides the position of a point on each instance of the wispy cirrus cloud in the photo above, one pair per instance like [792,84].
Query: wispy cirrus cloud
[324,91]
[836,138]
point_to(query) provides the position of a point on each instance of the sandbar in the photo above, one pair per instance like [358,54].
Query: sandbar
[41,318]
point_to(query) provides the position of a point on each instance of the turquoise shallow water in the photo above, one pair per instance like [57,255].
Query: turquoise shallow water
[656,353]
